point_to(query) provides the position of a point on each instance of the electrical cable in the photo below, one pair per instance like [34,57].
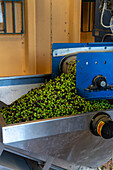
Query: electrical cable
[106,36]
[102,15]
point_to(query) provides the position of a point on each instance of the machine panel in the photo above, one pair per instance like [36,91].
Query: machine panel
[90,65]
[94,61]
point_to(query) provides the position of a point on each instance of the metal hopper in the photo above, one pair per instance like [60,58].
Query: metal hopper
[59,143]
[64,142]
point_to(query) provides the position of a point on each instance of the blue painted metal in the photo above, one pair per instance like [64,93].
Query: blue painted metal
[21,80]
[55,66]
[76,45]
[56,60]
[85,73]
[90,65]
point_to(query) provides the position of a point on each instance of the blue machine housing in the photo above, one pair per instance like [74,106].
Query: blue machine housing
[56,60]
[89,65]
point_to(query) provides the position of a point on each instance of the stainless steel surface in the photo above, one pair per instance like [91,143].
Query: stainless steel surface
[8,94]
[57,164]
[4,168]
[84,168]
[74,51]
[38,129]
[1,148]
[13,162]
[48,163]
[37,157]
[67,139]
[45,128]
[81,148]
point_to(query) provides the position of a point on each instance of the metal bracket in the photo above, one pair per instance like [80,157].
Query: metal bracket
[75,51]
[48,163]
[1,148]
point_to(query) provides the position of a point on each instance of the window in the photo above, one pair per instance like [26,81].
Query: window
[11,17]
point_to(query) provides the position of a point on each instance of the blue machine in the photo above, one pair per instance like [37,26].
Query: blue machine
[94,70]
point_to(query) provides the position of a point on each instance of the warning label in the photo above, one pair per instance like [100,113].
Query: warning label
[99,127]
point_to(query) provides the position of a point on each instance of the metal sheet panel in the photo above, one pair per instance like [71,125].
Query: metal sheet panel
[90,65]
[9,94]
[63,138]
[37,129]
[81,148]
[12,88]
[12,162]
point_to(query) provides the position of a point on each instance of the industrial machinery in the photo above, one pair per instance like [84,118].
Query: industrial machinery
[103,29]
[71,142]
[77,142]
[91,58]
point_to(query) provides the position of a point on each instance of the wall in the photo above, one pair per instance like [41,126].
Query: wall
[12,47]
[46,22]
[12,57]
[57,21]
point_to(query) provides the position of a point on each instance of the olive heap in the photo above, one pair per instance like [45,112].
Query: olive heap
[55,98]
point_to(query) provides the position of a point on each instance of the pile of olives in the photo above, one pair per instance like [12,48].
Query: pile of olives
[55,98]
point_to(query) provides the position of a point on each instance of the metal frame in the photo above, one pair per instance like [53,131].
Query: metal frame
[66,125]
[61,50]
[21,80]
[76,126]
